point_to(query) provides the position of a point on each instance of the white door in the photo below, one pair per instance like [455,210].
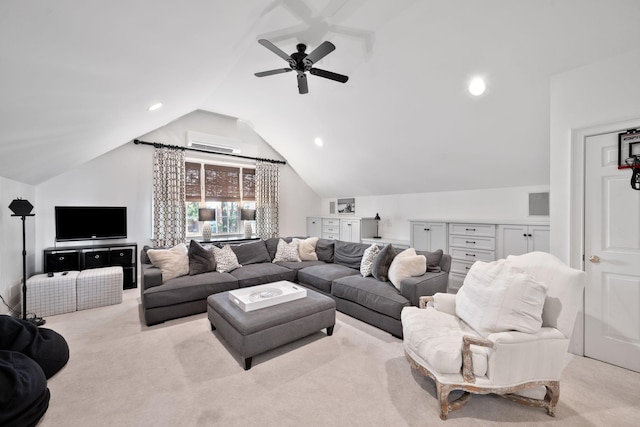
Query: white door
[612,257]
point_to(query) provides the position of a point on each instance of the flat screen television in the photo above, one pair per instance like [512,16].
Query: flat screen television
[90,222]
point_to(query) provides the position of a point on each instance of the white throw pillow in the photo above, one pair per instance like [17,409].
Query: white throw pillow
[226,259]
[366,265]
[307,248]
[172,262]
[287,251]
[498,296]
[406,264]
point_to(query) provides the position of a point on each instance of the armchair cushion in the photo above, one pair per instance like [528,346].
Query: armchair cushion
[497,296]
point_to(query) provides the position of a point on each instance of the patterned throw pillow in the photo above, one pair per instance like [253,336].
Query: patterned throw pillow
[226,259]
[172,262]
[287,251]
[366,265]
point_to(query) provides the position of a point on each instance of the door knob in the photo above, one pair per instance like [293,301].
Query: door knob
[594,259]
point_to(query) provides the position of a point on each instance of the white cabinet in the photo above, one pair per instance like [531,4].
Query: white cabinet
[469,243]
[518,239]
[314,226]
[428,236]
[331,228]
[350,230]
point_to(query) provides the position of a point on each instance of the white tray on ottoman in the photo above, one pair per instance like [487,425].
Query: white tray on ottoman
[261,296]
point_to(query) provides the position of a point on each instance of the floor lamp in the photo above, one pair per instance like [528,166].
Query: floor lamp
[22,208]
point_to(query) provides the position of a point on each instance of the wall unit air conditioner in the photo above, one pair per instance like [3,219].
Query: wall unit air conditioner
[212,143]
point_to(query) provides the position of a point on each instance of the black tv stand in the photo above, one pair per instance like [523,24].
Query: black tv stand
[83,257]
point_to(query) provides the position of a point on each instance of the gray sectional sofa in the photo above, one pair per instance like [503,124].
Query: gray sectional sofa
[336,273]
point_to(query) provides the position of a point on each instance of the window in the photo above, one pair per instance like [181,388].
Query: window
[227,189]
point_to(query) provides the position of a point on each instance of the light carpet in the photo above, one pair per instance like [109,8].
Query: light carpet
[180,373]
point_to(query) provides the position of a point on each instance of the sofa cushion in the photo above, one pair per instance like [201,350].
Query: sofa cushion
[201,259]
[349,254]
[433,260]
[188,288]
[436,338]
[259,274]
[307,248]
[325,249]
[226,259]
[294,265]
[370,293]
[382,262]
[366,265]
[497,296]
[251,253]
[172,262]
[321,276]
[406,264]
[287,251]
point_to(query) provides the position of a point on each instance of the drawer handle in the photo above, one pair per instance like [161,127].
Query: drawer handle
[467,241]
[426,229]
[61,258]
[97,257]
[467,268]
[470,229]
[470,254]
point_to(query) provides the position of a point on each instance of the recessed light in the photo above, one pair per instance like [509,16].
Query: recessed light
[318,142]
[155,106]
[477,86]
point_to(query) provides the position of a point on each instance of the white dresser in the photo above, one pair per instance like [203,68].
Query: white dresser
[468,243]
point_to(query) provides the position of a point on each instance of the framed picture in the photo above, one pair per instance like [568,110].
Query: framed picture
[628,146]
[347,206]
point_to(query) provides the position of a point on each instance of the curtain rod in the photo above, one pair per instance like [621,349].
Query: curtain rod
[177,147]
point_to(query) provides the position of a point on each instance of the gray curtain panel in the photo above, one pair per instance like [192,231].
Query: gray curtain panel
[267,188]
[169,225]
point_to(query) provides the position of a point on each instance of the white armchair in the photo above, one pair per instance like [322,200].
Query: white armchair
[507,332]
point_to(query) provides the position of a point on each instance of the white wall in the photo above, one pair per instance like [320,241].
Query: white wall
[602,93]
[510,203]
[124,177]
[11,238]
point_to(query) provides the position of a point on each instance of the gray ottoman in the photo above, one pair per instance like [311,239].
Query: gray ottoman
[254,332]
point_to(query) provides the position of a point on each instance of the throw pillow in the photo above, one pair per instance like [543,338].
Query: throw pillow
[307,248]
[172,262]
[226,259]
[497,296]
[406,264]
[382,262]
[201,259]
[251,253]
[287,251]
[366,265]
[433,260]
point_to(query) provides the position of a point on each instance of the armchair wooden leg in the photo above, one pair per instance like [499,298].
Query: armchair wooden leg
[552,396]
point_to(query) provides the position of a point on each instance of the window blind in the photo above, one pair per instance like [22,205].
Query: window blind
[221,183]
[248,184]
[192,182]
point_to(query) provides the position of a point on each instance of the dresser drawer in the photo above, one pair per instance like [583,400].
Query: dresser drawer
[472,242]
[331,236]
[461,267]
[472,254]
[331,222]
[488,230]
[330,229]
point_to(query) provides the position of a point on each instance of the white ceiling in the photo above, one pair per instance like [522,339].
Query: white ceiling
[77,76]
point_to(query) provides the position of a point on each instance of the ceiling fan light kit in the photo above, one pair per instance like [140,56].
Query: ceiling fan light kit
[301,62]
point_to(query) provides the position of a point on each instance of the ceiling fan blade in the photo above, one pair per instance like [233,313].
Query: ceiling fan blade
[320,52]
[329,75]
[302,84]
[272,72]
[275,49]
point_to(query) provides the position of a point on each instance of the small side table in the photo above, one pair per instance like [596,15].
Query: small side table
[47,296]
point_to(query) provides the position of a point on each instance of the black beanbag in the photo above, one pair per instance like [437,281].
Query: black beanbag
[48,348]
[24,396]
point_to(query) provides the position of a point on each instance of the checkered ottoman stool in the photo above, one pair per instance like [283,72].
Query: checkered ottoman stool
[47,296]
[98,287]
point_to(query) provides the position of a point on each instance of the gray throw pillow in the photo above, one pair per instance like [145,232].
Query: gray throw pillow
[324,250]
[382,262]
[433,260]
[201,259]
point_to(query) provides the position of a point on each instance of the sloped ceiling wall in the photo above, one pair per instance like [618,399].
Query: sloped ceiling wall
[77,78]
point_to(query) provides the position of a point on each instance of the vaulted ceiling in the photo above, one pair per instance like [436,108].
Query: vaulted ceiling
[76,78]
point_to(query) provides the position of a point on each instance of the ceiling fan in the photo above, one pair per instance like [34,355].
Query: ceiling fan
[302,62]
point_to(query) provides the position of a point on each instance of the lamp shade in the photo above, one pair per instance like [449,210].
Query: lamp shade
[377,218]
[247,214]
[20,207]
[206,214]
